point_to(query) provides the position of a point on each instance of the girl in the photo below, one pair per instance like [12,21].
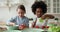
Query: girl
[39,8]
[20,19]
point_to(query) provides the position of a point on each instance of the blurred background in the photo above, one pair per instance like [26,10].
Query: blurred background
[8,8]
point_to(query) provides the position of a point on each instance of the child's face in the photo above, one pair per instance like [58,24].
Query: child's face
[20,12]
[39,12]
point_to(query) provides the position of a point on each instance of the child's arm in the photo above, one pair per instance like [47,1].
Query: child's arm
[11,21]
[34,22]
[11,24]
[47,15]
[27,22]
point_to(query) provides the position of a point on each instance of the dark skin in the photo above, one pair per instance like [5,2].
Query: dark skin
[39,13]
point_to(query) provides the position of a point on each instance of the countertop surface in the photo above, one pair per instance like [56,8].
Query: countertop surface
[25,30]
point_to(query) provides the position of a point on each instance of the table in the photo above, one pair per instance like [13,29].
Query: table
[11,29]
[26,30]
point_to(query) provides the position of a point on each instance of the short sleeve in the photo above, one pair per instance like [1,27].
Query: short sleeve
[11,20]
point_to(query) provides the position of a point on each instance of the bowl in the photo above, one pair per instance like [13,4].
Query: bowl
[13,28]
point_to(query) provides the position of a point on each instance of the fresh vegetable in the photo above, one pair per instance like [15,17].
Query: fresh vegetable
[37,27]
[41,20]
[47,26]
[54,28]
[43,27]
[22,26]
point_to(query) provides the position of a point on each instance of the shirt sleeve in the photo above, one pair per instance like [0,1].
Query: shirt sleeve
[27,22]
[11,20]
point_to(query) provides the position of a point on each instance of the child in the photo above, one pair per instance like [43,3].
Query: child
[39,8]
[20,19]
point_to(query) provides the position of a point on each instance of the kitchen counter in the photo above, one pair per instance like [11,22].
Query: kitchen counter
[14,29]
[26,30]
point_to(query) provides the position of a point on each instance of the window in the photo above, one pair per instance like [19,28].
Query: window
[48,5]
[53,6]
[56,5]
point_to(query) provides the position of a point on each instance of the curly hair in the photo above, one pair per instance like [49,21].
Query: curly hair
[39,4]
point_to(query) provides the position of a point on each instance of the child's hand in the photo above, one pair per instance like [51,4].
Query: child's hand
[11,24]
[33,24]
[47,15]
[22,26]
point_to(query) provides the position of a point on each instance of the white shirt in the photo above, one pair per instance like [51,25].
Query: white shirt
[38,23]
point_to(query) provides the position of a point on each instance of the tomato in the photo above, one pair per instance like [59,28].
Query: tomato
[43,27]
[22,26]
[37,27]
[47,26]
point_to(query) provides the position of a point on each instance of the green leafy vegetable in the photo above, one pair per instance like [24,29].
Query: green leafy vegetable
[41,20]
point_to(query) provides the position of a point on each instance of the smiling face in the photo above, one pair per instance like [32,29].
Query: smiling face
[39,12]
[39,8]
[20,12]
